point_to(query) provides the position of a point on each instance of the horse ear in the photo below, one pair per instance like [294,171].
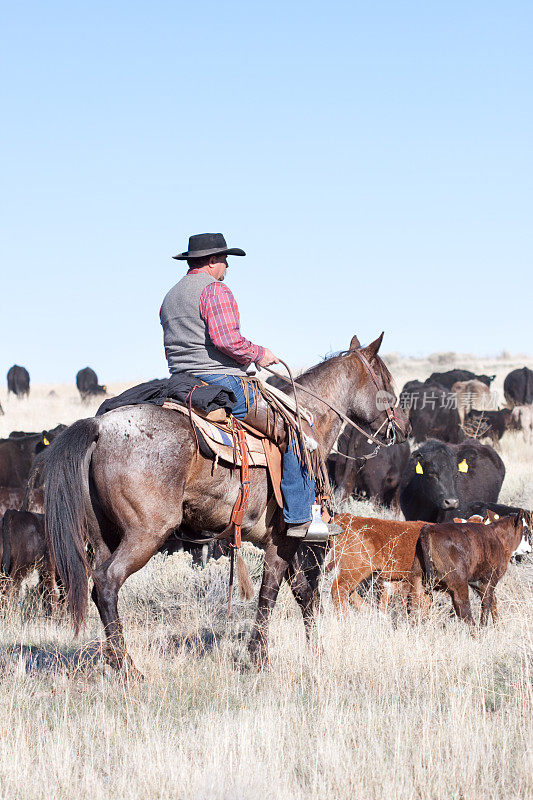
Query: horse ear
[355,343]
[371,350]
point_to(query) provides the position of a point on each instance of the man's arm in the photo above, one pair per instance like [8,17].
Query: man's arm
[221,315]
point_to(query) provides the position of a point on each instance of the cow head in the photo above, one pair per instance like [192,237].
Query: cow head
[435,475]
[47,437]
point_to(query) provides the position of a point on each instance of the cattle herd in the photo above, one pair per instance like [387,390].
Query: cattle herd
[456,535]
[445,482]
[18,383]
[22,541]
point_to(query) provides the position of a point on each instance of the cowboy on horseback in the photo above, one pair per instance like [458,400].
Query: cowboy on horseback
[200,320]
[118,484]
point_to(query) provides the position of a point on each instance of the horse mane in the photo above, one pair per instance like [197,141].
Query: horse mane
[377,363]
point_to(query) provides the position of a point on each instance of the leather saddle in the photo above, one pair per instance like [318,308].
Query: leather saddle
[215,429]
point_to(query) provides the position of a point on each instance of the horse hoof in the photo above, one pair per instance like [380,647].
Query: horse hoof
[124,666]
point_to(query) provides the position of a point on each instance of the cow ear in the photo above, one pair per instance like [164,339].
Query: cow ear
[467,454]
[372,349]
[355,343]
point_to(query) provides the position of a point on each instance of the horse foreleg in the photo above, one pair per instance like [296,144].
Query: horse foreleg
[304,584]
[275,569]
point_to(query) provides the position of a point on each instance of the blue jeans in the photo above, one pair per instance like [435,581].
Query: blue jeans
[297,487]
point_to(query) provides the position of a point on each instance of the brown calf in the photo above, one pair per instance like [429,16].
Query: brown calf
[23,549]
[368,546]
[453,557]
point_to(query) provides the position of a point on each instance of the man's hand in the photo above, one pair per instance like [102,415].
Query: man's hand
[268,359]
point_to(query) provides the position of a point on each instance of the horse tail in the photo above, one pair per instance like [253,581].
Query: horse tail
[6,543]
[66,490]
[426,560]
[243,576]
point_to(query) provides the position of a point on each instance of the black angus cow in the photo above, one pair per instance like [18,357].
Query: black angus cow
[416,387]
[433,414]
[379,477]
[447,379]
[16,498]
[17,454]
[479,507]
[178,542]
[18,381]
[428,407]
[413,394]
[24,548]
[490,424]
[443,480]
[518,387]
[87,384]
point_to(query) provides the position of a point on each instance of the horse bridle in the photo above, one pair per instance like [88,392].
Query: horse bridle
[391,419]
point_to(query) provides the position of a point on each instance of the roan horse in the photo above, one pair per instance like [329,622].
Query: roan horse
[124,481]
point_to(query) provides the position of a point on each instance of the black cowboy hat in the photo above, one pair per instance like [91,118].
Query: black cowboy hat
[208,244]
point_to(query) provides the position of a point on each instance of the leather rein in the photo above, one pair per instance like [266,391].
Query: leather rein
[369,436]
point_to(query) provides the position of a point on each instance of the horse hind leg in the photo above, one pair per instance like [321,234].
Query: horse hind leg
[134,551]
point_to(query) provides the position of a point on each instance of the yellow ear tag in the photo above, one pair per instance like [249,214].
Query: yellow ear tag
[45,440]
[418,469]
[463,466]
[486,521]
[496,516]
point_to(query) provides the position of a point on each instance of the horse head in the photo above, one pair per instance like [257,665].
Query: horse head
[375,400]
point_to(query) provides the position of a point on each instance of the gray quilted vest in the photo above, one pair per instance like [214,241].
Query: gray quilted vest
[188,347]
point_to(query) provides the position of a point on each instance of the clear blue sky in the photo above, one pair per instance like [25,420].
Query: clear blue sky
[373,159]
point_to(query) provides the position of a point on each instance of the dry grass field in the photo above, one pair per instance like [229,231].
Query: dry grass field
[375,708]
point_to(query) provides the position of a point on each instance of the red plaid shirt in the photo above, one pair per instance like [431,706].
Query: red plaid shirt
[219,311]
